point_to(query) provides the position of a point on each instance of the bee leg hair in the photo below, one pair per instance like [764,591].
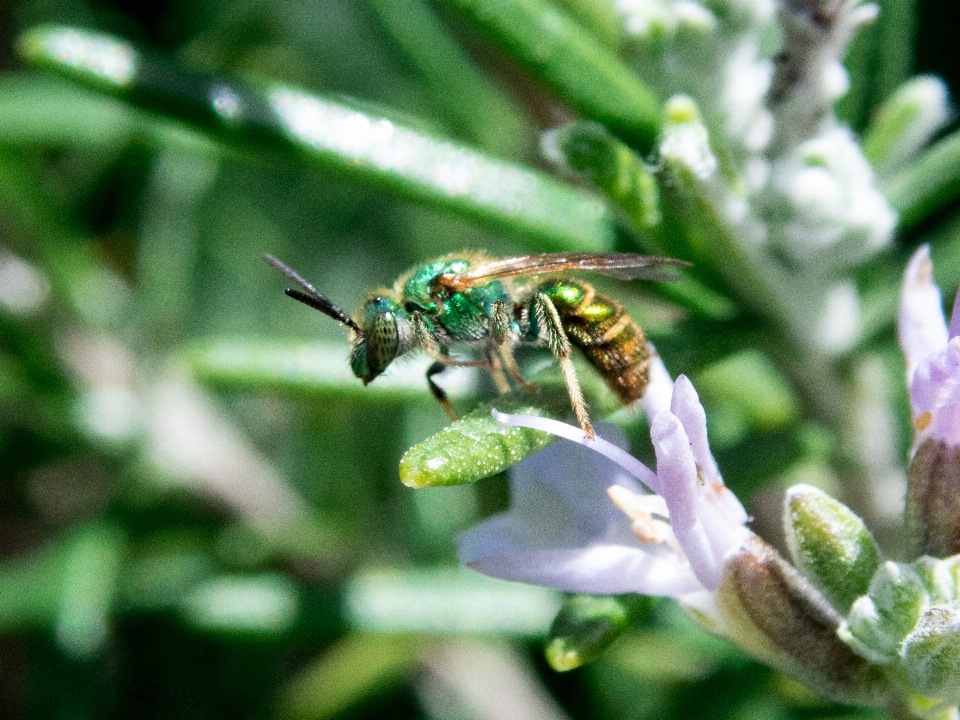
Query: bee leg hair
[559,345]
[500,323]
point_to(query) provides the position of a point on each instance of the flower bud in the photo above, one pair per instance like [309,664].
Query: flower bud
[933,498]
[939,577]
[931,654]
[830,545]
[906,121]
[878,622]
[686,142]
[776,615]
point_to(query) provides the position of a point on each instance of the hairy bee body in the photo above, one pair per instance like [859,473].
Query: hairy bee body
[470,300]
[595,324]
[608,337]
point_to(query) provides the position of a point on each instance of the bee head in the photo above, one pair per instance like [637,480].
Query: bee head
[386,333]
[383,332]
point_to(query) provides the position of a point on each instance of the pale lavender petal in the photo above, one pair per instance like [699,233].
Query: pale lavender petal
[936,380]
[945,426]
[656,398]
[608,450]
[599,569]
[722,517]
[921,325]
[561,529]
[688,410]
[678,474]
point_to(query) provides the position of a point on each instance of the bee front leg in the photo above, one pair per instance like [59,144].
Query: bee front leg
[426,343]
[437,391]
[559,344]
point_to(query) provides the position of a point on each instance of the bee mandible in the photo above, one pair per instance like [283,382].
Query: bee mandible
[470,302]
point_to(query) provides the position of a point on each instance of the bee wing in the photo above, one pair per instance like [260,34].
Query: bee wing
[625,266]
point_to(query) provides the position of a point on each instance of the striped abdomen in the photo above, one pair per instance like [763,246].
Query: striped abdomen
[612,342]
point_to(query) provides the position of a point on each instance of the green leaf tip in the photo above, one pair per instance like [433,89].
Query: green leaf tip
[588,624]
[879,621]
[101,60]
[830,545]
[477,446]
[931,654]
[474,447]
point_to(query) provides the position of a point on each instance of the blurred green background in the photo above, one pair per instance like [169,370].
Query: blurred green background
[200,510]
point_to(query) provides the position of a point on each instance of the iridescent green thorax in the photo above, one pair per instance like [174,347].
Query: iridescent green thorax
[463,315]
[419,290]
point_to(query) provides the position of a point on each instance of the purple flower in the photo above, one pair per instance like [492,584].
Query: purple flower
[580,520]
[933,376]
[932,352]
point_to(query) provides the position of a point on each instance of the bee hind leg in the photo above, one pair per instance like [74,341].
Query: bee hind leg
[559,345]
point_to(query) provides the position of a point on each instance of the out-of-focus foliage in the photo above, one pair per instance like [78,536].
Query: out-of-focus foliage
[201,512]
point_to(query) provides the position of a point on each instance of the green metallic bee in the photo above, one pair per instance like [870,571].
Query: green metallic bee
[466,301]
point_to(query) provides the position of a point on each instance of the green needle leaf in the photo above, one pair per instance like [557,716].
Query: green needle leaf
[476,446]
[588,624]
[927,184]
[92,563]
[614,168]
[356,667]
[568,58]
[470,101]
[333,135]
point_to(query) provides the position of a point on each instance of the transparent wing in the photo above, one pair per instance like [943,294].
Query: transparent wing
[625,266]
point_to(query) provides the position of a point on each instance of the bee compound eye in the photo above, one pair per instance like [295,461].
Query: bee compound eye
[383,342]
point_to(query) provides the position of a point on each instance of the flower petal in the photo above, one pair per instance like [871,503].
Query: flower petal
[706,517]
[686,406]
[597,569]
[945,426]
[678,473]
[563,532]
[936,380]
[921,325]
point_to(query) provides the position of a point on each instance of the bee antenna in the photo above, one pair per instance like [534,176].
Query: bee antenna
[310,296]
